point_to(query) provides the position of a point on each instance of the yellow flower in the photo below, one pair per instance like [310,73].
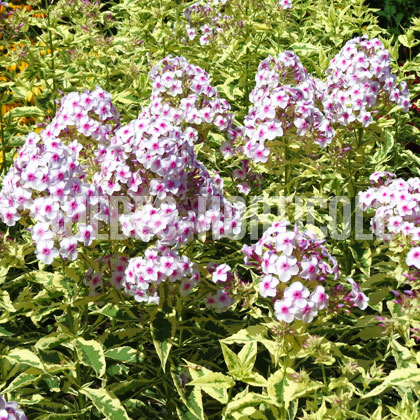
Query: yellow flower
[29,96]
[23,66]
[7,107]
[37,90]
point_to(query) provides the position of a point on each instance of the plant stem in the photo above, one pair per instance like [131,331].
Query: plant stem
[51,47]
[180,339]
[324,377]
[3,141]
[286,167]
[283,407]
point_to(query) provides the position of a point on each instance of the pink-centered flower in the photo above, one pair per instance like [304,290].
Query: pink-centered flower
[413,257]
[221,273]
[286,268]
[284,310]
[268,286]
[298,293]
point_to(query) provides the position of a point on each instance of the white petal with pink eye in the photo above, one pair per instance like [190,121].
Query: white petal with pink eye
[221,273]
[298,294]
[413,257]
[284,310]
[8,214]
[307,313]
[85,234]
[46,252]
[68,248]
[415,235]
[309,269]
[286,268]
[286,242]
[186,287]
[268,286]
[319,297]
[41,232]
[268,264]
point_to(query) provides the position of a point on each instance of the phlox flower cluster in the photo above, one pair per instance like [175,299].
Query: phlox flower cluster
[183,93]
[286,4]
[245,178]
[359,81]
[294,268]
[159,264]
[222,299]
[48,182]
[409,299]
[85,157]
[9,410]
[396,202]
[152,160]
[341,297]
[110,271]
[356,297]
[206,20]
[288,101]
[283,103]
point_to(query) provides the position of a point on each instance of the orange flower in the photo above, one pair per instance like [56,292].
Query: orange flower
[11,68]
[21,7]
[23,66]
[7,107]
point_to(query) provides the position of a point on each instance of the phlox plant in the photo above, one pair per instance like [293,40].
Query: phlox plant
[9,410]
[139,278]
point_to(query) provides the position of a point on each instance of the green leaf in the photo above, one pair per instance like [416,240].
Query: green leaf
[294,390]
[408,39]
[195,403]
[398,377]
[250,399]
[218,393]
[231,359]
[106,402]
[91,353]
[247,355]
[25,357]
[185,415]
[213,379]
[276,386]
[163,329]
[252,333]
[24,111]
[20,381]
[122,354]
[255,379]
[240,366]
[5,301]
[4,332]
[322,411]
[3,270]
[51,341]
